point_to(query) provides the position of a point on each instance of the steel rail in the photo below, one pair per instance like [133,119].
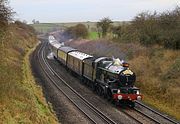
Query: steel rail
[127,114]
[151,118]
[158,113]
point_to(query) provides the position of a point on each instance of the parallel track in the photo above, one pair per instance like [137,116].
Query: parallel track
[138,116]
[156,115]
[97,114]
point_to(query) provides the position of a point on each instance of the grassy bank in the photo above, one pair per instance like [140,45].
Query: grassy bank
[21,100]
[158,72]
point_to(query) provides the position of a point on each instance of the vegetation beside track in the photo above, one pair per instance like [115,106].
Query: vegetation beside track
[21,100]
[158,77]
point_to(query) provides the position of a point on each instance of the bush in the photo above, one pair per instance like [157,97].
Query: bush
[104,25]
[152,29]
[5,14]
[78,31]
[25,27]
[162,29]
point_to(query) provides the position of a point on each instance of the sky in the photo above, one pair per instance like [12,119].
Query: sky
[52,11]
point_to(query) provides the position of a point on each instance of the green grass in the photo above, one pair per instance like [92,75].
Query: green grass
[41,107]
[93,36]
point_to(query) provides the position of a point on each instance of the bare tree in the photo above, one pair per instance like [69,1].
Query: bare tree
[104,25]
[5,13]
[33,21]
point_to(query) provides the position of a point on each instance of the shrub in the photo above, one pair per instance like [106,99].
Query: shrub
[162,29]
[78,31]
[5,14]
[152,29]
[104,25]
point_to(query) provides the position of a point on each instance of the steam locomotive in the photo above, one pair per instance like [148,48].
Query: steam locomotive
[109,77]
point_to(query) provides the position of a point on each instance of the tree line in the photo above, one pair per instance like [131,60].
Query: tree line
[162,29]
[146,28]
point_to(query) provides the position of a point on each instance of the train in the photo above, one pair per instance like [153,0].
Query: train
[107,76]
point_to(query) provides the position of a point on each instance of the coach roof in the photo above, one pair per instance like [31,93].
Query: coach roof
[67,49]
[79,55]
[55,44]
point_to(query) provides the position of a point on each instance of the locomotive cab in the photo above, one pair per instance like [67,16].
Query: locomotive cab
[119,81]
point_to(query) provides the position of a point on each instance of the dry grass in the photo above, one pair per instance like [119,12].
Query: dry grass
[157,70]
[159,75]
[21,100]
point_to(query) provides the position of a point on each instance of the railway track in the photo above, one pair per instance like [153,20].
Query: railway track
[162,119]
[145,114]
[90,111]
[139,117]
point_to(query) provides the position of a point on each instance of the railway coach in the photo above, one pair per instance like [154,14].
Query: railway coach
[62,54]
[54,46]
[75,61]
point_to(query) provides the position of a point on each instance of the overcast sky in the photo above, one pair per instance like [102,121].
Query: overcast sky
[86,10]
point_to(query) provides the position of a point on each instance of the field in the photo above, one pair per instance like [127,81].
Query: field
[46,27]
[49,27]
